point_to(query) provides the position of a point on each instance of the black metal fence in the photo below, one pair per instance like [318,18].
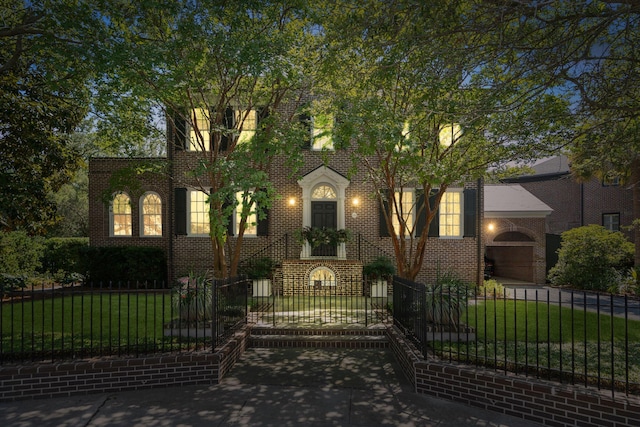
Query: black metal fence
[56,323]
[567,336]
[302,301]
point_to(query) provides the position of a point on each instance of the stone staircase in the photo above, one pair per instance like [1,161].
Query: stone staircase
[262,337]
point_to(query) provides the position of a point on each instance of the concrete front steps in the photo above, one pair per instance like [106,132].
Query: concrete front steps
[318,338]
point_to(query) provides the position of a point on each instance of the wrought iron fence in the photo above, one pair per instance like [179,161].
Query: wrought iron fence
[561,335]
[301,301]
[56,323]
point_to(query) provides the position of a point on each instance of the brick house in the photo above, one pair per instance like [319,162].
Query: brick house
[574,203]
[167,211]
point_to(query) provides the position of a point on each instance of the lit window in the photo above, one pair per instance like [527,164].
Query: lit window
[151,211]
[199,139]
[121,215]
[611,221]
[450,214]
[322,129]
[251,226]
[405,201]
[449,134]
[198,213]
[249,125]
[323,192]
[321,277]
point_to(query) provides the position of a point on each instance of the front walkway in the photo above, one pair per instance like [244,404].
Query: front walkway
[271,387]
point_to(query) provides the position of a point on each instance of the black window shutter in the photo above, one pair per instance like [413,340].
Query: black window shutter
[181,211]
[305,119]
[470,205]
[262,114]
[434,226]
[180,132]
[421,212]
[384,230]
[229,122]
[231,218]
[263,225]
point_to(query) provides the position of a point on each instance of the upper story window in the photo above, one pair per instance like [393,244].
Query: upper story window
[151,215]
[249,120]
[199,135]
[449,134]
[198,213]
[322,130]
[450,214]
[120,215]
[611,221]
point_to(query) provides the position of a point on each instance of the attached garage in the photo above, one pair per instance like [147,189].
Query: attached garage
[515,233]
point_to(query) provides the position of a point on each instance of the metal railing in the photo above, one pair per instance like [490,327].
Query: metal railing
[61,323]
[567,336]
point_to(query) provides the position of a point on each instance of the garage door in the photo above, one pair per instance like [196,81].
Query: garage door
[514,262]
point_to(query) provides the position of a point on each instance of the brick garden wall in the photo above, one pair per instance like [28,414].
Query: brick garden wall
[528,398]
[120,374]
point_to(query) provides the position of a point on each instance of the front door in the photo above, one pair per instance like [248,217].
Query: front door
[324,214]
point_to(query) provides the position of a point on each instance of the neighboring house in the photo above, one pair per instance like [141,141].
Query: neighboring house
[514,230]
[576,203]
[171,213]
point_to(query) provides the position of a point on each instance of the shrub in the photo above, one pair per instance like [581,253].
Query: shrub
[125,264]
[20,254]
[491,288]
[446,300]
[591,258]
[193,298]
[10,283]
[64,254]
[379,268]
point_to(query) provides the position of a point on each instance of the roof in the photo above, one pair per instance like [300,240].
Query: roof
[512,200]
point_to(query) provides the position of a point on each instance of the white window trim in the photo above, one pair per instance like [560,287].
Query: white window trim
[111,219]
[461,214]
[236,222]
[189,233]
[141,216]
[394,214]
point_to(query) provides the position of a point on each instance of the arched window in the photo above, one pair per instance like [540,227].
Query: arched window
[121,215]
[322,276]
[151,215]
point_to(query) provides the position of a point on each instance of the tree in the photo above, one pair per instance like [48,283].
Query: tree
[427,104]
[591,49]
[215,68]
[43,97]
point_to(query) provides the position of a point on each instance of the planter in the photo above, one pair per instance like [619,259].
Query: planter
[261,287]
[379,288]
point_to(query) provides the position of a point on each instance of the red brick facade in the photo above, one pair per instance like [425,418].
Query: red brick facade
[185,253]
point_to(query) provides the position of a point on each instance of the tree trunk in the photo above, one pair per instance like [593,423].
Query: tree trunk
[219,259]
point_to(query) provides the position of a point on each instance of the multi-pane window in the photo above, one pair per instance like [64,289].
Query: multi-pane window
[249,120]
[405,202]
[611,221]
[199,136]
[121,215]
[151,213]
[198,213]
[322,129]
[251,226]
[450,214]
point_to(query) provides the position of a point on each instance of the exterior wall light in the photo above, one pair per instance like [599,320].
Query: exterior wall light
[355,201]
[292,201]
[491,226]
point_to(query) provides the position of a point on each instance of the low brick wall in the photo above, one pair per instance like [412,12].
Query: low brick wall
[110,375]
[532,399]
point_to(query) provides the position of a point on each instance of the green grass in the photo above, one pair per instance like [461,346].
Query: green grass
[84,321]
[527,321]
[550,341]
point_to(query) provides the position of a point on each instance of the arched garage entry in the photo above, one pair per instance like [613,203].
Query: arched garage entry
[512,255]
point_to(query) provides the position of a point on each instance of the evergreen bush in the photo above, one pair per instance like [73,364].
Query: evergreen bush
[591,258]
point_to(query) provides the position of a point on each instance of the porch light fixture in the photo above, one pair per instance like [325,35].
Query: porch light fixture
[292,201]
[355,201]
[491,226]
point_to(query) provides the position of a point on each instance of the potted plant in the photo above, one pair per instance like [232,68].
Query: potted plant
[318,236]
[260,271]
[377,271]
